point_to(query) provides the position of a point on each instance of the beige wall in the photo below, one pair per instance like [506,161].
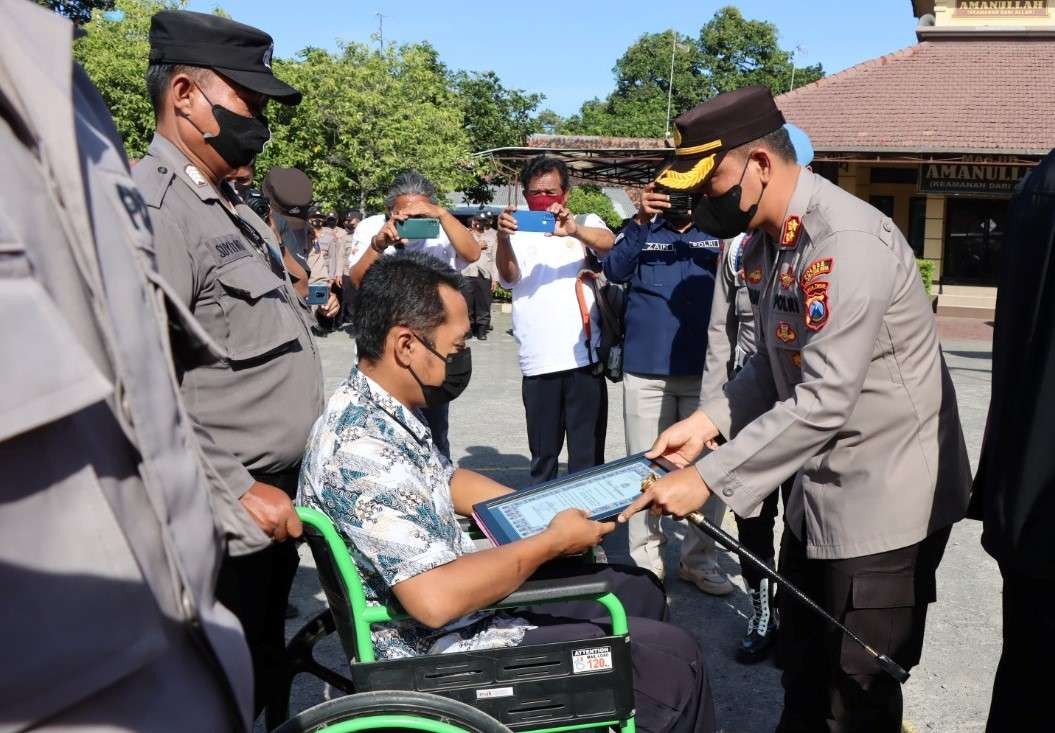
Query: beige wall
[855,178]
[945,15]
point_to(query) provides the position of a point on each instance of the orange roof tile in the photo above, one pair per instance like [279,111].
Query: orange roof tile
[942,96]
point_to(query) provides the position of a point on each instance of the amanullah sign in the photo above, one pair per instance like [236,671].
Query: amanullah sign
[983,179]
[1001,8]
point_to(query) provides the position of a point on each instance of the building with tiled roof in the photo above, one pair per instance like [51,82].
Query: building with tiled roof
[938,134]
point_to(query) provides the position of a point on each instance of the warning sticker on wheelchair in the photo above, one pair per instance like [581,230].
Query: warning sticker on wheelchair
[494,692]
[598,659]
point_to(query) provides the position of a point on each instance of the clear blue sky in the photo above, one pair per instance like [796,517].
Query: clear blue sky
[566,50]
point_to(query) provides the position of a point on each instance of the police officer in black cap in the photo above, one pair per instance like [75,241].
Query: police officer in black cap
[209,81]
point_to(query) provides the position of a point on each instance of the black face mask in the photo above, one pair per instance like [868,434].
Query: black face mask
[721,216]
[240,139]
[459,366]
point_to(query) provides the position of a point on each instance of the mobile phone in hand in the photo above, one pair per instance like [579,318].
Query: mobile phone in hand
[680,203]
[418,228]
[535,221]
[318,294]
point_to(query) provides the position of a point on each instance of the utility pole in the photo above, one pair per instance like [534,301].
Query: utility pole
[670,84]
[380,29]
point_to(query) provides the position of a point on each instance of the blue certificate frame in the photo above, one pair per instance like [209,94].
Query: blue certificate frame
[603,492]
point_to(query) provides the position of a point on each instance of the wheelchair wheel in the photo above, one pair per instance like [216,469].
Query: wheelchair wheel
[392,710]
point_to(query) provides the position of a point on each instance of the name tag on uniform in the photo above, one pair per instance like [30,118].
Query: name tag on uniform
[706,244]
[228,248]
[658,247]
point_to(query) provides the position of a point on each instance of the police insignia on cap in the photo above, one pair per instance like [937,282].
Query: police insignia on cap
[789,235]
[785,333]
[195,175]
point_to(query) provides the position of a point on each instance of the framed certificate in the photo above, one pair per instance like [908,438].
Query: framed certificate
[601,492]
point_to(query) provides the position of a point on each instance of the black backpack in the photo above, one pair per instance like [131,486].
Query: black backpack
[611,306]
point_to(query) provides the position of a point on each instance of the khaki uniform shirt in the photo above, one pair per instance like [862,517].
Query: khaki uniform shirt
[731,332]
[113,524]
[254,409]
[485,266]
[848,388]
[328,251]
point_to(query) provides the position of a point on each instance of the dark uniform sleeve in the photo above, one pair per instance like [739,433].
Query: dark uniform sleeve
[835,358]
[621,261]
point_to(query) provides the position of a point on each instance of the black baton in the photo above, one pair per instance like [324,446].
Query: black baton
[723,538]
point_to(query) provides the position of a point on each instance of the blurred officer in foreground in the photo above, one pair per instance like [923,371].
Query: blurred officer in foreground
[1014,491]
[848,391]
[209,80]
[114,526]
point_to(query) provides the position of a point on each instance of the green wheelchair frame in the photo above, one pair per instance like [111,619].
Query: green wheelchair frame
[385,694]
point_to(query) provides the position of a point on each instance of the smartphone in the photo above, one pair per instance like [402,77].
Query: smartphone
[419,228]
[318,294]
[535,221]
[680,203]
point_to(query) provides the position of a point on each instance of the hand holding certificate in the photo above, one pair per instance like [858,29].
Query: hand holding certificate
[601,492]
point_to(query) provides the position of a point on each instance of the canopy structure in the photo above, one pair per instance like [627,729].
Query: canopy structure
[603,161]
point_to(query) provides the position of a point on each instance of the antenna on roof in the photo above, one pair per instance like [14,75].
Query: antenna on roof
[380,29]
[797,49]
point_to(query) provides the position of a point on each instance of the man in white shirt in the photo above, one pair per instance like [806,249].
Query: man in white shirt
[563,393]
[412,196]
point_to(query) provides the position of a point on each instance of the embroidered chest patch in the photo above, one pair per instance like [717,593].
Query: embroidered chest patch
[785,333]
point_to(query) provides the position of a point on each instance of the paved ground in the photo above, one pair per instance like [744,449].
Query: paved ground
[948,692]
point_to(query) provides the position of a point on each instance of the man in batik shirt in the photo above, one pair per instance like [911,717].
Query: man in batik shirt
[372,467]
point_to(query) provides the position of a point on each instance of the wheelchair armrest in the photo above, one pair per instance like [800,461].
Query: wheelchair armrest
[554,590]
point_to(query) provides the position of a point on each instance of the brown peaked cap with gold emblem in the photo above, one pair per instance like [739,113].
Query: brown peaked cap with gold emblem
[704,134]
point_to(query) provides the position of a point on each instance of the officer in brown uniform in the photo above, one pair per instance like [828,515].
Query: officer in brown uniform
[848,392]
[209,80]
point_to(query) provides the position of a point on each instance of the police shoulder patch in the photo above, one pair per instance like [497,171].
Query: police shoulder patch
[817,307]
[815,269]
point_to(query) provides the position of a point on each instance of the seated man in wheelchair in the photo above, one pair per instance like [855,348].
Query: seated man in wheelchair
[372,467]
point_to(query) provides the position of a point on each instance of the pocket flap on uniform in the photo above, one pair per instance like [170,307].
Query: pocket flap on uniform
[45,372]
[884,590]
[248,279]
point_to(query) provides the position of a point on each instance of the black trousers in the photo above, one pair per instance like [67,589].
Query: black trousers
[1023,678]
[477,294]
[756,533]
[572,403]
[830,684]
[671,688]
[256,589]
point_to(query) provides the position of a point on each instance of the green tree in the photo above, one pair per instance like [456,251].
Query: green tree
[729,52]
[367,115]
[79,11]
[739,52]
[495,117]
[114,53]
[592,200]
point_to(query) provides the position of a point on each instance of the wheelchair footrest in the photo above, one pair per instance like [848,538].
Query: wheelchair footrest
[542,685]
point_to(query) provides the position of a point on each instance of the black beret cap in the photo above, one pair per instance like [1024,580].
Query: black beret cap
[289,190]
[238,51]
[704,134]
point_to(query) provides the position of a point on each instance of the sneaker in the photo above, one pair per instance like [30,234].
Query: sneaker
[710,580]
[762,626]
